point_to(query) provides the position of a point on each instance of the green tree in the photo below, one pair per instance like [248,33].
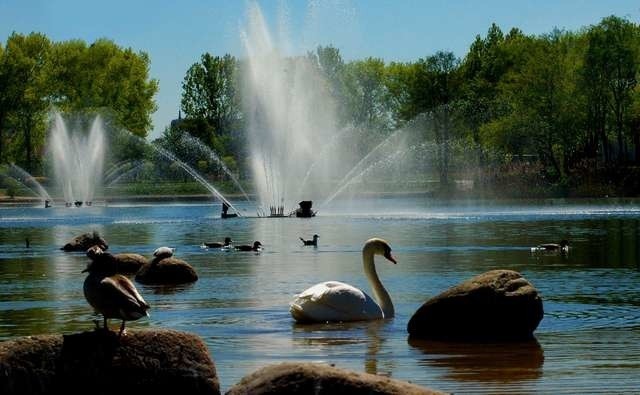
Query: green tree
[104,76]
[481,71]
[609,78]
[24,102]
[442,67]
[7,99]
[332,67]
[210,93]
[367,96]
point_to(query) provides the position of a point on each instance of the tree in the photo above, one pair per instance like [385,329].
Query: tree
[103,76]
[7,99]
[609,78]
[210,94]
[481,71]
[24,101]
[366,94]
[444,88]
[332,67]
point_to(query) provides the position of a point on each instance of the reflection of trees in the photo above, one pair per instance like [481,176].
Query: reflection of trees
[25,322]
[614,245]
[485,363]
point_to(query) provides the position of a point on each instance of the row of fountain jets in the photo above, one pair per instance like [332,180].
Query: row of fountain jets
[291,130]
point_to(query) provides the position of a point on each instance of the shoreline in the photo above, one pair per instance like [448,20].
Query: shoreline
[24,201]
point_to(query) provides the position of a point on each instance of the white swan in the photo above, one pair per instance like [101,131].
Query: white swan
[337,301]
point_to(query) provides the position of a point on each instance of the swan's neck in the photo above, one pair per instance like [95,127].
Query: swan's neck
[379,291]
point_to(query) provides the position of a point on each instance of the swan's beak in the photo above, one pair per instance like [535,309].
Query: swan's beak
[390,257]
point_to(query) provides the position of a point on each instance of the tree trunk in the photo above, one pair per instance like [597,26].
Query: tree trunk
[2,118]
[636,141]
[444,162]
[1,146]
[27,143]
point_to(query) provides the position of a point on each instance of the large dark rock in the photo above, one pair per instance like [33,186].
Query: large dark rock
[311,378]
[166,271]
[129,263]
[85,241]
[139,362]
[496,305]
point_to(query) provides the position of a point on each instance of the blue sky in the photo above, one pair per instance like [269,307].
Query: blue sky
[176,33]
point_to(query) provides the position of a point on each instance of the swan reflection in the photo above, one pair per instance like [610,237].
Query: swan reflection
[332,341]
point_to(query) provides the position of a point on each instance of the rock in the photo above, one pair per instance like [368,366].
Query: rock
[494,306]
[129,263]
[84,242]
[166,271]
[311,378]
[140,362]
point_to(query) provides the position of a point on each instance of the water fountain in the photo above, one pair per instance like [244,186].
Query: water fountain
[290,116]
[201,148]
[25,179]
[77,159]
[196,176]
[127,168]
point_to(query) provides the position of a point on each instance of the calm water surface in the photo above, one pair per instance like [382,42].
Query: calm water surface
[588,341]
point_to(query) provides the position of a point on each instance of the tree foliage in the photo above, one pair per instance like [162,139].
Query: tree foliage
[37,74]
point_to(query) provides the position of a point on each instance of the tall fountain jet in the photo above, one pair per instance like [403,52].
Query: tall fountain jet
[290,114]
[78,158]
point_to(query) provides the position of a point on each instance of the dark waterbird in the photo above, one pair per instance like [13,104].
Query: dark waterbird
[313,242]
[257,246]
[217,244]
[111,294]
[562,247]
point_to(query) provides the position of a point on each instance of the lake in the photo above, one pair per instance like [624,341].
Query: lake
[588,341]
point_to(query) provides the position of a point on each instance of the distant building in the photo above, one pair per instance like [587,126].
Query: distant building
[175,123]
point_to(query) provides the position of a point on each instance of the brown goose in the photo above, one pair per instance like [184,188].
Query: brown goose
[110,294]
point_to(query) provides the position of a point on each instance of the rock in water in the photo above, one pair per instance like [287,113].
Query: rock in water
[140,362]
[86,241]
[311,378]
[494,306]
[167,271]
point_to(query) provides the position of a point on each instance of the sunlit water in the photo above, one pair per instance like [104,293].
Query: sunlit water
[588,341]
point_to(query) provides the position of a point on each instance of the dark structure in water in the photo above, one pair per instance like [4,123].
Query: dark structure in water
[304,211]
[225,214]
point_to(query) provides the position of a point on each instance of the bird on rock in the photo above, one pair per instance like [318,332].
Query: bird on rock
[163,252]
[110,294]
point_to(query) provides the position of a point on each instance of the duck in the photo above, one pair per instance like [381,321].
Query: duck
[313,242]
[110,294]
[257,246]
[562,247]
[335,301]
[215,244]
[163,252]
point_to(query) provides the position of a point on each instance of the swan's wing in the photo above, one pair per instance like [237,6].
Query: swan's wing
[334,301]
